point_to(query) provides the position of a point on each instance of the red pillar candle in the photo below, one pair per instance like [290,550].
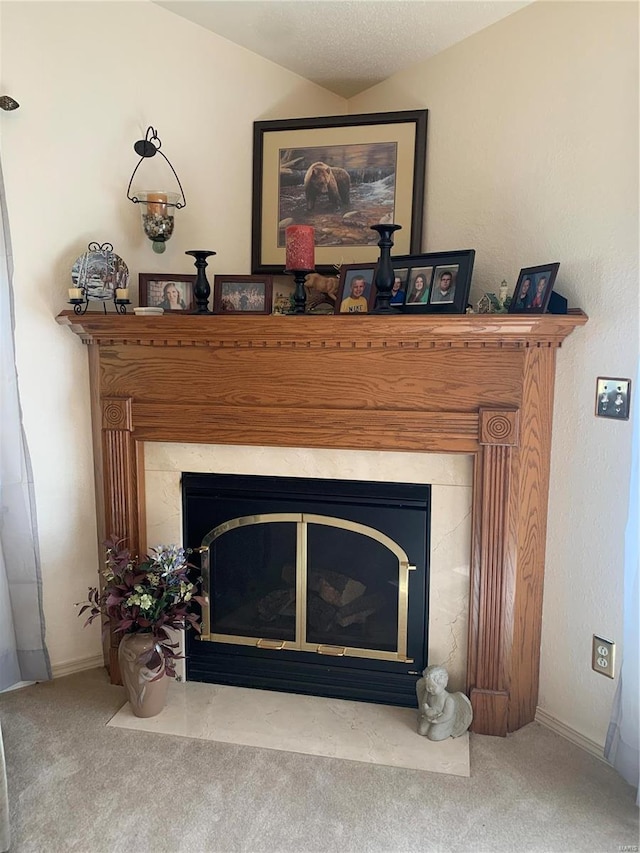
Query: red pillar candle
[300,247]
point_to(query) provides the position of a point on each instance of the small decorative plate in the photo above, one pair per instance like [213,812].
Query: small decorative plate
[99,272]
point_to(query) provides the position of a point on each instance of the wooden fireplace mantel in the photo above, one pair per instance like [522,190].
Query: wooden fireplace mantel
[474,384]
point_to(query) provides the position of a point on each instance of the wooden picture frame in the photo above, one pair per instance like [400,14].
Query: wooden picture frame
[533,289]
[356,291]
[343,173]
[434,283]
[155,291]
[242,294]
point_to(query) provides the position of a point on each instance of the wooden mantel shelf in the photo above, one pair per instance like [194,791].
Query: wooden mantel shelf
[477,384]
[520,330]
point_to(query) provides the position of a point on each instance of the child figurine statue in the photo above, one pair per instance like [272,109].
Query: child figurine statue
[441,714]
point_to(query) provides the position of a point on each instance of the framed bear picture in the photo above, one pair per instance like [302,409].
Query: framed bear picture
[339,174]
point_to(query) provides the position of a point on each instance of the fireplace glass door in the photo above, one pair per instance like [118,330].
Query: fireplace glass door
[307,582]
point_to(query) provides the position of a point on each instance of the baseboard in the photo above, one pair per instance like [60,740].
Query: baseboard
[556,725]
[59,670]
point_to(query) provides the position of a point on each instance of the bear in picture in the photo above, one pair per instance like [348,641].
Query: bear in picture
[322,179]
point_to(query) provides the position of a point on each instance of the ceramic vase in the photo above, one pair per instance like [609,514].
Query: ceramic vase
[146,696]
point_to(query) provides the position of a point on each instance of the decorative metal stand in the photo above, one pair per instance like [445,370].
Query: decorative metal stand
[300,294]
[80,305]
[201,289]
[383,280]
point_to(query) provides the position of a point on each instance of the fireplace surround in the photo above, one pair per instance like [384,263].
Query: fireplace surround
[473,384]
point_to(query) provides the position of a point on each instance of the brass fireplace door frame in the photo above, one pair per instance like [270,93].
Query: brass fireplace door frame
[299,644]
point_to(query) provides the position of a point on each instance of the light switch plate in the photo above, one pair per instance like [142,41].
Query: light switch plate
[613,397]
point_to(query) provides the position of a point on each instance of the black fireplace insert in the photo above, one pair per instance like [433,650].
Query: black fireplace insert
[314,586]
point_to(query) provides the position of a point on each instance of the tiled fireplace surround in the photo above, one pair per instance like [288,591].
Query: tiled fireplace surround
[450,477]
[367,397]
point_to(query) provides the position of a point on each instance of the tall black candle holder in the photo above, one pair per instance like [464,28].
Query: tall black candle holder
[299,294]
[201,289]
[383,280]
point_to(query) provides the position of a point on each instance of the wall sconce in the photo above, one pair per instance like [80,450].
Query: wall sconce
[157,205]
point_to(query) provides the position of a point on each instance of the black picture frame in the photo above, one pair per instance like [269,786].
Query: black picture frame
[386,144]
[537,283]
[436,268]
[349,272]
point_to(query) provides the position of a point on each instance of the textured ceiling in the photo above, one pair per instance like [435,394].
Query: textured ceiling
[344,45]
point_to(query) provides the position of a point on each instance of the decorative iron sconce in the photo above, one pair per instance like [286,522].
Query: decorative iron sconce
[157,205]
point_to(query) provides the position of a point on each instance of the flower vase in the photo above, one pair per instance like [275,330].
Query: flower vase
[146,696]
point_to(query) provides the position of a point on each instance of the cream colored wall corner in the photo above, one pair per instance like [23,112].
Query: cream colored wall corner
[89,83]
[533,157]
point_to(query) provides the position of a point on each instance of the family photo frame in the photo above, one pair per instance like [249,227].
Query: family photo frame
[533,289]
[434,283]
[242,294]
[356,291]
[171,291]
[340,175]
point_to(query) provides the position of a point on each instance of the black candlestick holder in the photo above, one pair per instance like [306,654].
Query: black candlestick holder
[201,289]
[300,294]
[383,279]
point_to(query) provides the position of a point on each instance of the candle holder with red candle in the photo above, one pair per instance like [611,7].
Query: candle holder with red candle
[300,261]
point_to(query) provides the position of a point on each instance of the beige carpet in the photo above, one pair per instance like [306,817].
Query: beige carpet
[311,725]
[77,784]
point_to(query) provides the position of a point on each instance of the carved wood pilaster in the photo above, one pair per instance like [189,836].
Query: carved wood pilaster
[121,511]
[121,500]
[488,667]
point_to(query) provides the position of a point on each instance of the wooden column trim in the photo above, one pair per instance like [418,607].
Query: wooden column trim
[488,657]
[121,499]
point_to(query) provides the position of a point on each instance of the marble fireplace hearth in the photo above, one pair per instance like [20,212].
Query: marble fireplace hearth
[307,725]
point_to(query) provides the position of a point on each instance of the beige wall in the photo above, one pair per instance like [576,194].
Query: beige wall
[533,157]
[90,78]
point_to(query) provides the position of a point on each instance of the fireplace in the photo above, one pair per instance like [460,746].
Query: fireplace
[315,586]
[468,384]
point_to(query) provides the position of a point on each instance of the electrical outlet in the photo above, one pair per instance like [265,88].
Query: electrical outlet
[603,656]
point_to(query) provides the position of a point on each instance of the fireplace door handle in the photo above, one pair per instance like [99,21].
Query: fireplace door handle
[276,645]
[336,651]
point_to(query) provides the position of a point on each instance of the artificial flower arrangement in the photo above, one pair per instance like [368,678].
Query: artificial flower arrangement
[149,596]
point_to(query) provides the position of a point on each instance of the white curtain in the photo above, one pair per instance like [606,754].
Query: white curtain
[23,654]
[621,748]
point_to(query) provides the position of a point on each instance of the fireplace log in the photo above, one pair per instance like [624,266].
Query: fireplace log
[358,611]
[338,589]
[320,615]
[275,604]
